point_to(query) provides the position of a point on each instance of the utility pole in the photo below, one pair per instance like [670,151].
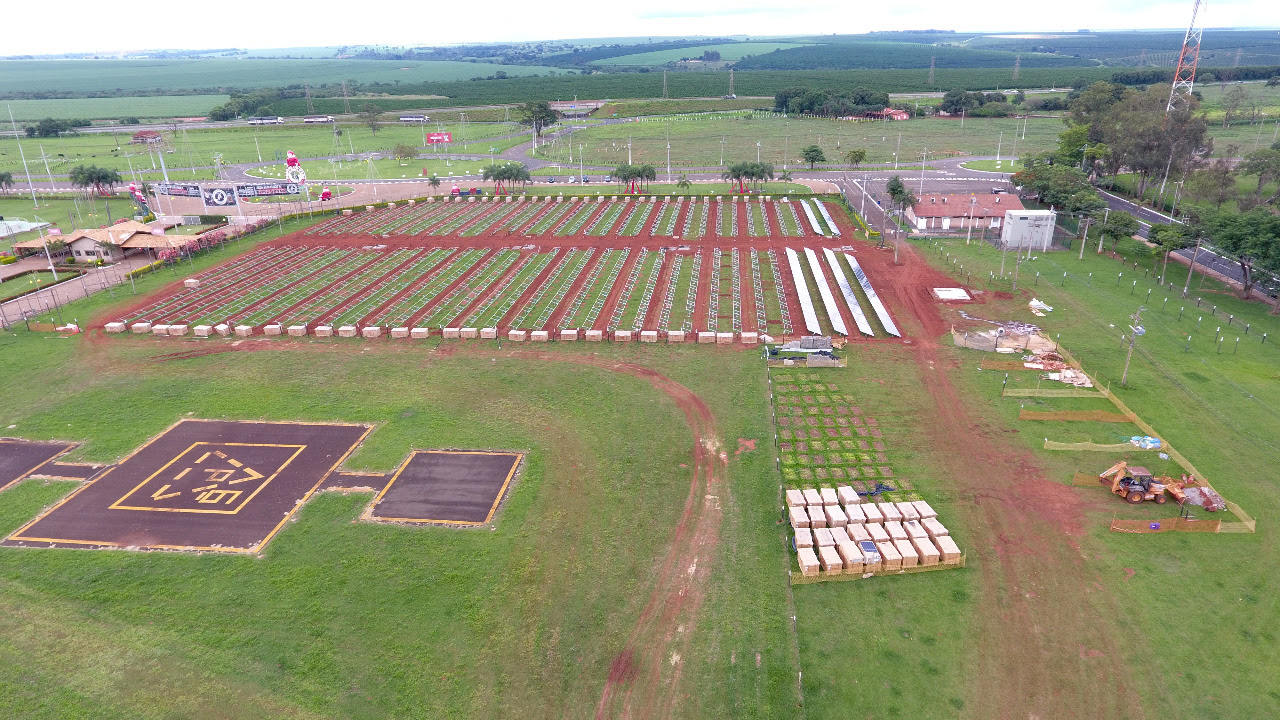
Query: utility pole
[1192,270]
[17,139]
[924,155]
[1136,330]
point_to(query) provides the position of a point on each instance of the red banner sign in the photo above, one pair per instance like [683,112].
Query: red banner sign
[437,138]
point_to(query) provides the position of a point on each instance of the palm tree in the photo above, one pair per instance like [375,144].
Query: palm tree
[6,181]
[434,182]
[683,182]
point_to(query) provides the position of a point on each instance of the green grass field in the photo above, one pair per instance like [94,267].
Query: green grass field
[346,619]
[239,145]
[728,52]
[26,283]
[696,141]
[94,75]
[146,108]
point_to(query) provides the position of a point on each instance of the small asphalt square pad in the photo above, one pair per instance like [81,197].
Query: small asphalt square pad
[447,487]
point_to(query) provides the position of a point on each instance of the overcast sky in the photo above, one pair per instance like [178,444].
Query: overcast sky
[84,26]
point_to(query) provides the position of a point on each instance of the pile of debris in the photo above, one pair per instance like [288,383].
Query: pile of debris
[1057,368]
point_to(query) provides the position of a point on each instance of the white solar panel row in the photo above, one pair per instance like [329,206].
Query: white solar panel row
[846,289]
[824,289]
[881,311]
[835,230]
[802,289]
[813,219]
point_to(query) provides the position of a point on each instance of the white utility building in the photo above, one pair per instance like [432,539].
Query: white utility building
[1025,229]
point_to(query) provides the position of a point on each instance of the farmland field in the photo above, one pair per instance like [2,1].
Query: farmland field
[728,52]
[18,76]
[239,145]
[151,107]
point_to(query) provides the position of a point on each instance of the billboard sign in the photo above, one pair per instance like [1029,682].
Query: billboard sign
[268,190]
[436,138]
[219,197]
[178,189]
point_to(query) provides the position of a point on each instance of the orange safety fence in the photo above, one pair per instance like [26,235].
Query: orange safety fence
[1086,415]
[1165,525]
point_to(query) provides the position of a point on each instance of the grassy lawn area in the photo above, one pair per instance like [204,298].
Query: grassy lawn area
[186,148]
[696,141]
[344,619]
[30,281]
[319,171]
[1216,407]
[1009,166]
[354,620]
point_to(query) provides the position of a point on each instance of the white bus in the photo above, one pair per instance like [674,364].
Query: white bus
[266,121]
[414,118]
[318,119]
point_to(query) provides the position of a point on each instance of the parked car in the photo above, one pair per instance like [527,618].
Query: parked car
[551,179]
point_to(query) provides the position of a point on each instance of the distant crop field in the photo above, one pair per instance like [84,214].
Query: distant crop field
[17,76]
[166,106]
[728,51]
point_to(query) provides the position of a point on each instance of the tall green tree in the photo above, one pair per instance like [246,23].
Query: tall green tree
[1117,226]
[1169,237]
[538,115]
[101,180]
[369,114]
[1252,239]
[855,157]
[1265,164]
[6,181]
[1214,183]
[813,155]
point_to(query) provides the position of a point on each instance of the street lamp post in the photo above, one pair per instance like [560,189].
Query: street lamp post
[721,150]
[757,151]
[924,156]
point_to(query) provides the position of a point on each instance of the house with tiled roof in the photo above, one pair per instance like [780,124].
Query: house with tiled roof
[952,213]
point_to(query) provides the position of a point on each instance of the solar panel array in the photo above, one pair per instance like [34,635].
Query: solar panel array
[859,317]
[802,289]
[876,304]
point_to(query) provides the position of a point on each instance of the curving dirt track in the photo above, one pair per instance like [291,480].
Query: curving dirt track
[644,678]
[1048,640]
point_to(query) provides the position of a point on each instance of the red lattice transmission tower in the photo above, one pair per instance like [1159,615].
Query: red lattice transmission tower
[1185,76]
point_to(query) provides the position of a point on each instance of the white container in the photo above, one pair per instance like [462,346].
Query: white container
[828,496]
[822,537]
[799,518]
[872,511]
[795,497]
[847,495]
[878,533]
[812,497]
[817,517]
[923,508]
